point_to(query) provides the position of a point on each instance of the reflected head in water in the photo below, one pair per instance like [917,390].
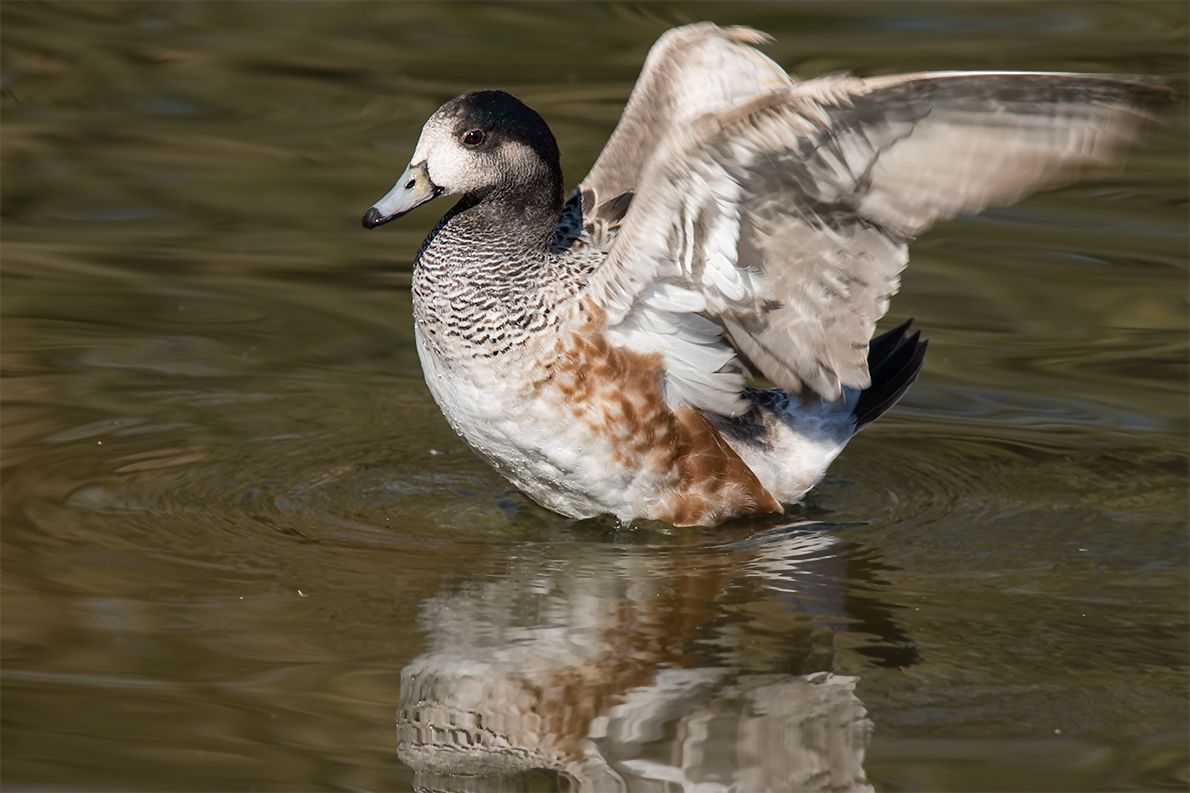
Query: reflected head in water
[740,224]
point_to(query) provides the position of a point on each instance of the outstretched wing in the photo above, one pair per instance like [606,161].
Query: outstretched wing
[690,71]
[778,222]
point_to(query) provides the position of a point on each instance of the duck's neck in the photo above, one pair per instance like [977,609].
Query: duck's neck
[509,222]
[525,214]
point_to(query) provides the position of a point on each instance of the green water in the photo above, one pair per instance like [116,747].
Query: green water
[233,517]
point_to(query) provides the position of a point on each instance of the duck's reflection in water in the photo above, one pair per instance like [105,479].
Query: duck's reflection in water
[629,669]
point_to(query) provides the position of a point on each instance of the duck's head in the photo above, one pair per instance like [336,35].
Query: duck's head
[485,145]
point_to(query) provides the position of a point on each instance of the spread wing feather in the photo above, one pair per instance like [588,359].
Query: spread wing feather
[689,71]
[771,227]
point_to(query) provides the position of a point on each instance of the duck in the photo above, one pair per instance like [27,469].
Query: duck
[687,337]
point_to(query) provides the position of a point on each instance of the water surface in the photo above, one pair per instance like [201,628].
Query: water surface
[240,543]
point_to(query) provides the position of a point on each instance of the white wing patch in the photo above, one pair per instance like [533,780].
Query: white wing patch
[698,362]
[675,298]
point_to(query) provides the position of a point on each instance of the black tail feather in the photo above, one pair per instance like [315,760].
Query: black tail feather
[894,360]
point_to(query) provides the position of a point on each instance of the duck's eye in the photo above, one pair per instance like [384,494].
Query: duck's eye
[473,137]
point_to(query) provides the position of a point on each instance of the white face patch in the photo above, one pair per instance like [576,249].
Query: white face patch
[458,169]
[451,166]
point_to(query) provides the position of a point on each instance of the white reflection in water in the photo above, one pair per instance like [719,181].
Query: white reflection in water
[595,669]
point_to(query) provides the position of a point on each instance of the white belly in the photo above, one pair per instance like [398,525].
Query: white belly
[554,459]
